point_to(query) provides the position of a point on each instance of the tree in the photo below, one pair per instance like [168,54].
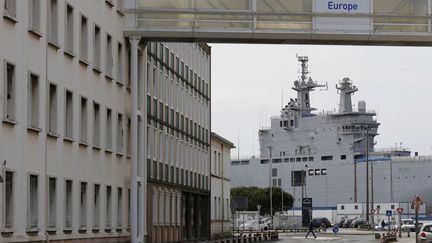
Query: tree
[261,196]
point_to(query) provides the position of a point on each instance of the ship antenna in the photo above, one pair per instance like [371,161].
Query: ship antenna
[304,67]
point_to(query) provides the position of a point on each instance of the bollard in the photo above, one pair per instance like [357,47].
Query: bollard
[400,233]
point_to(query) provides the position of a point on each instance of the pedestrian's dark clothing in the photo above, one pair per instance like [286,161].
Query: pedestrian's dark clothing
[311,228]
[382,224]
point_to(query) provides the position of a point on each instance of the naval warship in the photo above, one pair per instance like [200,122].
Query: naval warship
[324,156]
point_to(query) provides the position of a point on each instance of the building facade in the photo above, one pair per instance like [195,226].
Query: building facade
[178,148]
[66,140]
[220,186]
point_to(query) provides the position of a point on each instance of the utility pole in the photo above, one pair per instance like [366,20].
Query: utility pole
[372,194]
[270,184]
[355,181]
[367,175]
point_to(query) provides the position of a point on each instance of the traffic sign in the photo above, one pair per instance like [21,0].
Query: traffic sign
[399,210]
[335,229]
[388,213]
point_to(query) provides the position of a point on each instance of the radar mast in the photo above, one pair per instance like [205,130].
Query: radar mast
[304,86]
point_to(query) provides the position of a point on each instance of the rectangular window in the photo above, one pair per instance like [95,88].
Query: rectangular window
[83,205]
[128,137]
[68,204]
[120,63]
[96,124]
[9,200]
[274,172]
[52,203]
[34,15]
[9,92]
[97,47]
[343,157]
[52,109]
[84,39]
[298,178]
[328,157]
[10,8]
[69,29]
[33,101]
[119,207]
[96,207]
[108,206]
[108,135]
[128,207]
[53,21]
[33,203]
[83,120]
[69,115]
[109,56]
[119,133]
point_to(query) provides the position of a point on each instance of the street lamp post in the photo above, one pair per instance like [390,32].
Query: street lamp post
[367,175]
[270,184]
[259,207]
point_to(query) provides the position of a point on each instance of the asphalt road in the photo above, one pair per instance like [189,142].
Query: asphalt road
[362,238]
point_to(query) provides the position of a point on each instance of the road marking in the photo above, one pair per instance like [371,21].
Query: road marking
[318,238]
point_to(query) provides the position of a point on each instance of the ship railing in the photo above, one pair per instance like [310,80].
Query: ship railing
[427,158]
[392,149]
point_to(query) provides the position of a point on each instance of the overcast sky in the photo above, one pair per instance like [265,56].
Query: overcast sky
[396,82]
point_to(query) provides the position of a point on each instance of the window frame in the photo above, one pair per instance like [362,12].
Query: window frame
[67,120]
[69,46]
[30,112]
[5,227]
[29,227]
[9,116]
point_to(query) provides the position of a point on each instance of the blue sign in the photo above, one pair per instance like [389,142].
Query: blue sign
[389,213]
[335,229]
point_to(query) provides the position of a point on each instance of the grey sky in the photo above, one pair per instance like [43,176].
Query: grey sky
[248,80]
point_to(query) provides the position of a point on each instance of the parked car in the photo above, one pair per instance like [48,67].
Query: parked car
[254,225]
[357,222]
[425,234]
[408,224]
[318,222]
[347,223]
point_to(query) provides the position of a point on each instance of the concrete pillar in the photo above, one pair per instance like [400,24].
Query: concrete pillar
[134,140]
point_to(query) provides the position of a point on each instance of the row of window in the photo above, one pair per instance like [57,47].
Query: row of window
[221,208]
[166,208]
[172,65]
[54,95]
[217,162]
[180,125]
[100,198]
[10,9]
[168,173]
[69,45]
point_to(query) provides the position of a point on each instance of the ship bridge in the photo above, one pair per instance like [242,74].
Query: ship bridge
[354,22]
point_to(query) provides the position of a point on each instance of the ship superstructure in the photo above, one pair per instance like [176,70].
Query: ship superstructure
[322,155]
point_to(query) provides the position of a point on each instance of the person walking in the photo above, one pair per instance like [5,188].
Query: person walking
[311,230]
[382,224]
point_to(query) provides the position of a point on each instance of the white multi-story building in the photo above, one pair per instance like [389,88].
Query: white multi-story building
[220,185]
[66,140]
